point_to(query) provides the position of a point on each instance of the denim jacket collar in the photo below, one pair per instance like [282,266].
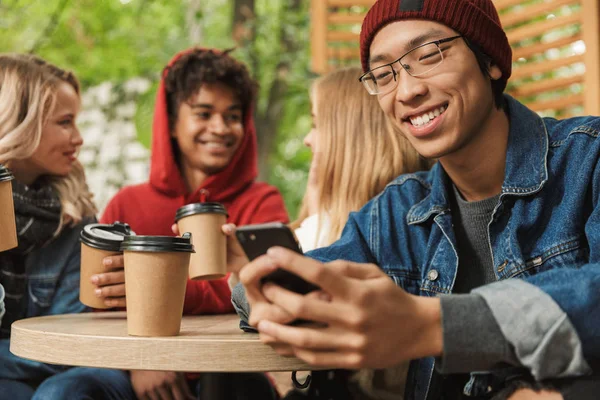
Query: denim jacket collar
[526,167]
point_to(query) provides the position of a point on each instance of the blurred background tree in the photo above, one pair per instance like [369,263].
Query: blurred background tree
[119,47]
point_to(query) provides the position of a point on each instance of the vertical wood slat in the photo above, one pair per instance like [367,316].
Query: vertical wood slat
[591,37]
[318,35]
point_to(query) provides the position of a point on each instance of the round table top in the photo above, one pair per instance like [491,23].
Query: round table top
[212,343]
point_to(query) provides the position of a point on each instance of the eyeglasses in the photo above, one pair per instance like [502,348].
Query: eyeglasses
[416,62]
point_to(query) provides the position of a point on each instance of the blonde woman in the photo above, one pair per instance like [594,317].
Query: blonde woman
[357,151]
[39,142]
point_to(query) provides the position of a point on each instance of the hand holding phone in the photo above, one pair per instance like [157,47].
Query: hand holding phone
[257,239]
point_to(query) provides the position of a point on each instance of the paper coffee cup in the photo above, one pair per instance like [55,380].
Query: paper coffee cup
[156,271]
[204,221]
[97,242]
[8,226]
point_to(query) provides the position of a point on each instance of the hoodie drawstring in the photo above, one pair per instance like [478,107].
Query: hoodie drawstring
[204,195]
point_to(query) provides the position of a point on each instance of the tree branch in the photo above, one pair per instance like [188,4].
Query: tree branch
[243,12]
[268,123]
[194,24]
[49,30]
[243,29]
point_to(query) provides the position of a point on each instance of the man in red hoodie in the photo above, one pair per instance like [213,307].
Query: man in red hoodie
[203,149]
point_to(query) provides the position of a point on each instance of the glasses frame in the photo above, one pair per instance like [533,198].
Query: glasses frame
[399,60]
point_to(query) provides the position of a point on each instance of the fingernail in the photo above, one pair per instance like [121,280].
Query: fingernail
[324,296]
[273,251]
[107,261]
[98,292]
[95,279]
[265,326]
[270,263]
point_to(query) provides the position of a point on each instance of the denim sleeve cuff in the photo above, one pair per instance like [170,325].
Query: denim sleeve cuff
[233,280]
[240,303]
[544,339]
[473,340]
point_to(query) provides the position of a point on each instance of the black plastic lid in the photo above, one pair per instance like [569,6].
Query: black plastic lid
[159,244]
[5,174]
[105,236]
[200,208]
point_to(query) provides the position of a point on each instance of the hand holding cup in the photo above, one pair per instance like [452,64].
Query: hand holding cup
[203,221]
[110,285]
[102,276]
[236,258]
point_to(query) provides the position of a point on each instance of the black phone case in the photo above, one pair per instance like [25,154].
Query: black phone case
[257,239]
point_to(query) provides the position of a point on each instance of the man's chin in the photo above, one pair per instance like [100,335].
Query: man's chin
[212,166]
[212,169]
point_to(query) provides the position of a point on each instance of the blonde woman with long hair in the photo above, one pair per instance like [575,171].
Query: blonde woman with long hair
[357,151]
[39,142]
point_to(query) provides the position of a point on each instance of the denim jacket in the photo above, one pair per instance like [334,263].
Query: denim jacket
[545,229]
[53,288]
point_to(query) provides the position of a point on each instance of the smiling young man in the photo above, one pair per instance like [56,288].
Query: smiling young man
[493,254]
[203,149]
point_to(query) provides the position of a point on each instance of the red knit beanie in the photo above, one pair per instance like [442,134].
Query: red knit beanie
[476,20]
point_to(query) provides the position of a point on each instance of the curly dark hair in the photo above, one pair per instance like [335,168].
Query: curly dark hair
[186,76]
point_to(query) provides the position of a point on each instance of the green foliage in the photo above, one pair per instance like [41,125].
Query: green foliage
[275,23]
[144,115]
[101,40]
[115,40]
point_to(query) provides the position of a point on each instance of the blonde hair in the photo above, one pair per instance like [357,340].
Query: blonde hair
[28,87]
[361,150]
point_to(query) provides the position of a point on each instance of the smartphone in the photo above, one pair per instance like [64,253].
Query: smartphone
[257,239]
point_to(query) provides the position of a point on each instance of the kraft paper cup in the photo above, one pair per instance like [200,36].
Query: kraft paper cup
[97,242]
[8,226]
[156,271]
[204,221]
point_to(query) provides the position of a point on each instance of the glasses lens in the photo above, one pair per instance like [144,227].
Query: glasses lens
[416,62]
[382,79]
[422,59]
[369,83]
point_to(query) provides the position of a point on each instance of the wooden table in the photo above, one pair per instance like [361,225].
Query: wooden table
[206,344]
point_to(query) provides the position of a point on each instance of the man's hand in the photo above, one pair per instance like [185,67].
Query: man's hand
[159,385]
[261,308]
[236,258]
[110,285]
[365,320]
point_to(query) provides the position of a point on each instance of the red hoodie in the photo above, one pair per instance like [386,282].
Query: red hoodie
[149,208]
